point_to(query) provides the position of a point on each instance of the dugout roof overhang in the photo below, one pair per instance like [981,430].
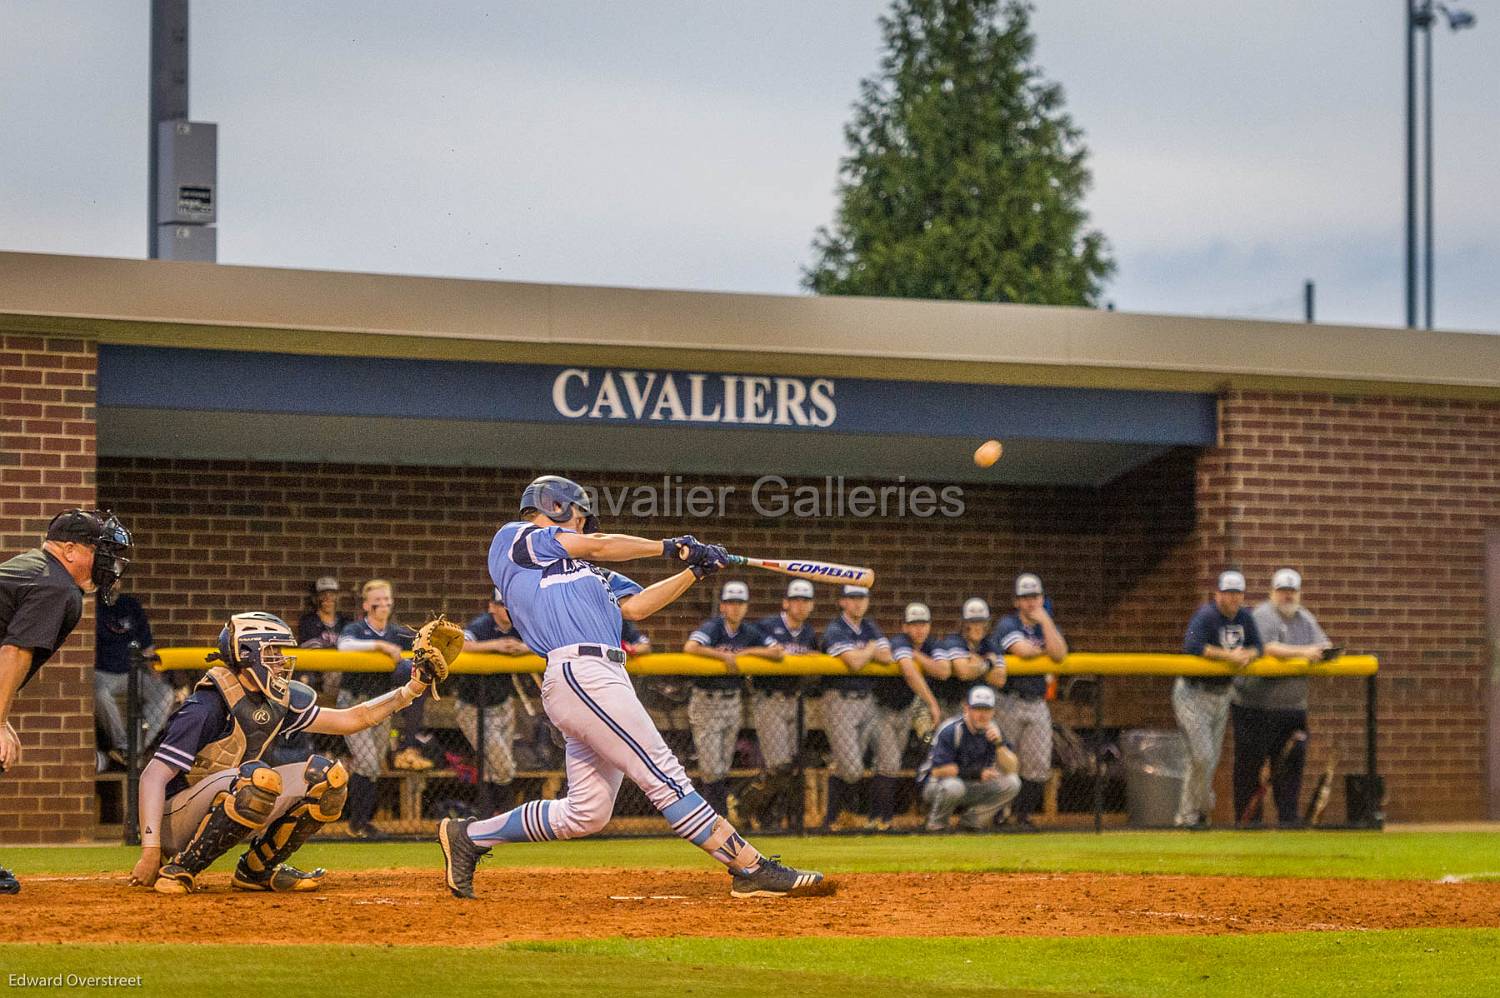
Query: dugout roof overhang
[213,361]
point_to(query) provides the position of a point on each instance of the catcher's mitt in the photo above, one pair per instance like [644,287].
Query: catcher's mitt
[438,643]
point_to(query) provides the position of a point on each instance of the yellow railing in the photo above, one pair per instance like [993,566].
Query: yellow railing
[678,664]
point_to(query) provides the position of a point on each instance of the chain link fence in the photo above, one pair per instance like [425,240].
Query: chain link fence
[789,750]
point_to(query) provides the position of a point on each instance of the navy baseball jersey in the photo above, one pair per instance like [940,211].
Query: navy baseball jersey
[491,690]
[841,636]
[802,641]
[1210,627]
[714,633]
[1007,633]
[555,600]
[953,689]
[893,691]
[363,685]
[312,632]
[954,743]
[114,628]
[39,606]
[204,718]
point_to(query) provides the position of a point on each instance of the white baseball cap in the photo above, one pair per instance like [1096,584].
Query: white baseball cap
[1231,582]
[1286,578]
[1028,584]
[735,592]
[855,591]
[799,589]
[976,609]
[917,613]
[981,696]
[326,584]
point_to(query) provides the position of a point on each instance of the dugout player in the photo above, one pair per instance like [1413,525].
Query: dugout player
[968,767]
[899,702]
[715,709]
[773,704]
[375,631]
[1267,711]
[116,627]
[41,599]
[1021,708]
[1222,630]
[848,702]
[967,656]
[490,632]
[322,624]
[569,609]
[207,789]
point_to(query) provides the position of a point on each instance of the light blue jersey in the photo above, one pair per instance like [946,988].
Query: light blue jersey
[555,600]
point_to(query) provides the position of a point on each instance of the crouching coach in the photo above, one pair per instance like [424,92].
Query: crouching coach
[206,790]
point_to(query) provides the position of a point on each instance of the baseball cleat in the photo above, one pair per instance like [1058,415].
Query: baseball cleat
[282,878]
[8,882]
[460,855]
[175,879]
[773,880]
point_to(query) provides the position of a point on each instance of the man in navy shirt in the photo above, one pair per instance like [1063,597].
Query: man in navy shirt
[1021,707]
[773,703]
[1224,631]
[115,628]
[970,655]
[491,632]
[899,701]
[848,707]
[714,712]
[969,767]
[375,631]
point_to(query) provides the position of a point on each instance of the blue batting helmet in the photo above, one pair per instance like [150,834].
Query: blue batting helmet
[558,499]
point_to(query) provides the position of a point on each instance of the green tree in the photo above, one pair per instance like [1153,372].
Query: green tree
[965,178]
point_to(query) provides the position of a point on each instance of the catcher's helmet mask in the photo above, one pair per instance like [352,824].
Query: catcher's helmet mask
[102,531]
[252,645]
[559,500]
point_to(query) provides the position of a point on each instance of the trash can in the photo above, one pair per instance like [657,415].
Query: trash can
[1155,766]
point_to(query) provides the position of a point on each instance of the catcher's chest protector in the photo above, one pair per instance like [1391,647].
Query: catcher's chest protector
[256,721]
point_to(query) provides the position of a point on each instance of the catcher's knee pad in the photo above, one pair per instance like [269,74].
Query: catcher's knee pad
[327,789]
[234,814]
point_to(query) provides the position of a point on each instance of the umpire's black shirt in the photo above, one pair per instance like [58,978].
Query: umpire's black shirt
[39,605]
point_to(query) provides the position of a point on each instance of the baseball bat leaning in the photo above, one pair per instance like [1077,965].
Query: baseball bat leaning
[1256,804]
[1322,791]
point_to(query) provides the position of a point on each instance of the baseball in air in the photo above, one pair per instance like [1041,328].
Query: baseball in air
[988,453]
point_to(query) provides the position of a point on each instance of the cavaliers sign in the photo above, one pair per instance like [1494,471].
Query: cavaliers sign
[674,397]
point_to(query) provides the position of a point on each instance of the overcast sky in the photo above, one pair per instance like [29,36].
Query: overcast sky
[1237,149]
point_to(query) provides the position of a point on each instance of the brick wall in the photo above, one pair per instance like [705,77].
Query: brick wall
[214,538]
[46,464]
[1383,505]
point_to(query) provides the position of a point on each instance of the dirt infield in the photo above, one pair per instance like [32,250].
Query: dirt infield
[409,906]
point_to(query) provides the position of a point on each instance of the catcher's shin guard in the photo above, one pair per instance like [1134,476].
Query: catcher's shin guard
[234,814]
[262,867]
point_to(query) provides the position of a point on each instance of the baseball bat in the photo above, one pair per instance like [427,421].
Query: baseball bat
[817,571]
[1322,791]
[1257,800]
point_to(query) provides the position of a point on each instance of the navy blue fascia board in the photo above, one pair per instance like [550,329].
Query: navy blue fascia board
[238,381]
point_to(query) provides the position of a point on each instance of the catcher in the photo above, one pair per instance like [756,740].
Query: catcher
[206,790]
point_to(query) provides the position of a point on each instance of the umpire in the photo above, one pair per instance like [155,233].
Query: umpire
[41,599]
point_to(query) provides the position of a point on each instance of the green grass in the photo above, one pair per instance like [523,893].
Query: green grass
[1415,855]
[1428,962]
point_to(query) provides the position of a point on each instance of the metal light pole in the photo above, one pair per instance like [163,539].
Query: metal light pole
[1420,15]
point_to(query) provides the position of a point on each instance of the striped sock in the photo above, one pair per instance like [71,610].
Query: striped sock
[691,818]
[528,823]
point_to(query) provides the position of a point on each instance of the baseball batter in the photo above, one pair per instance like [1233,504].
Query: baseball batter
[207,789]
[569,609]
